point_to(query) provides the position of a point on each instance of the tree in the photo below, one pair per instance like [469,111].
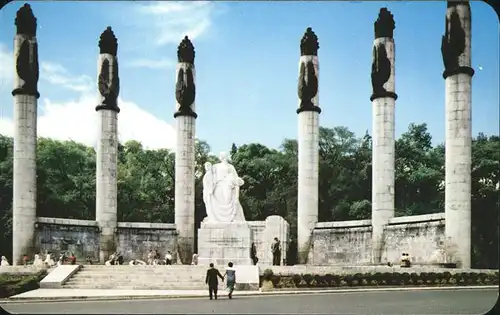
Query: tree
[146,179]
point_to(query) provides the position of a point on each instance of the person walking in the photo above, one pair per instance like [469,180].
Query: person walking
[230,276]
[212,281]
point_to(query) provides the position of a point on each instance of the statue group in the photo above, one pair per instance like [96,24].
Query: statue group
[221,191]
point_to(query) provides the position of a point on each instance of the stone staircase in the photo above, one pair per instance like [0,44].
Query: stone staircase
[126,277]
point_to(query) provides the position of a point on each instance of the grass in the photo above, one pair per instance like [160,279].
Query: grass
[13,284]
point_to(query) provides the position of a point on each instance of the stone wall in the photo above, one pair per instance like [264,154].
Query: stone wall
[263,234]
[350,242]
[422,236]
[342,243]
[136,239]
[54,235]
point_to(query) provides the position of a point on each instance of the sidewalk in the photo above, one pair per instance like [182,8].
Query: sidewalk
[61,295]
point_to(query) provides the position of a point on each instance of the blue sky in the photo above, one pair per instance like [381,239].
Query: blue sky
[246,59]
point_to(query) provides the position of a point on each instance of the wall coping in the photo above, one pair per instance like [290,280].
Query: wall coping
[146,225]
[257,223]
[61,221]
[417,218]
[57,277]
[343,224]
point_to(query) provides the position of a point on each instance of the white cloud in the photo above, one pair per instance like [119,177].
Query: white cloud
[77,119]
[151,63]
[56,74]
[171,21]
[6,67]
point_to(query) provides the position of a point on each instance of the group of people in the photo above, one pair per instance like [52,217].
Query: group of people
[212,280]
[275,250]
[154,258]
[48,262]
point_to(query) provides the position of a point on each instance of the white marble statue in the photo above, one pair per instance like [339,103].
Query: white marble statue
[4,262]
[221,192]
[37,262]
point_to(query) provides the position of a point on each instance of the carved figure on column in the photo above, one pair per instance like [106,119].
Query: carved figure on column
[308,79]
[453,40]
[381,65]
[109,81]
[185,89]
[27,66]
[381,69]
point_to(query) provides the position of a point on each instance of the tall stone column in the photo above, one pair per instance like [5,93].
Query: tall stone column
[456,51]
[25,135]
[107,146]
[185,115]
[383,101]
[308,143]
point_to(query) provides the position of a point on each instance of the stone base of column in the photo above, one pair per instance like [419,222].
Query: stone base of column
[107,246]
[377,245]
[185,249]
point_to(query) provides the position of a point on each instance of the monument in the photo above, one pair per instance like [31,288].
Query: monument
[185,116]
[107,145]
[456,51]
[25,134]
[383,152]
[308,143]
[224,234]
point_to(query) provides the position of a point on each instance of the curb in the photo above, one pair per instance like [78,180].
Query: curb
[256,293]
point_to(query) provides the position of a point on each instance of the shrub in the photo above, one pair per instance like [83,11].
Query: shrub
[329,280]
[386,278]
[347,279]
[447,275]
[268,273]
[275,279]
[307,278]
[405,278]
[413,278]
[395,278]
[321,281]
[17,284]
[296,280]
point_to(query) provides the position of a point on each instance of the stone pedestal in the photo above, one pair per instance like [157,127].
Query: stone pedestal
[221,243]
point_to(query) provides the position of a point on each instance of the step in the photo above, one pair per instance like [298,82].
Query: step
[135,287]
[132,280]
[143,267]
[145,274]
[150,275]
[159,271]
[138,284]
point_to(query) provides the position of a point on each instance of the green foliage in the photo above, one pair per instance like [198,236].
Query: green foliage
[13,284]
[268,274]
[379,279]
[66,182]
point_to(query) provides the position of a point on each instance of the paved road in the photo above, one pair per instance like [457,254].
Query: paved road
[476,301]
